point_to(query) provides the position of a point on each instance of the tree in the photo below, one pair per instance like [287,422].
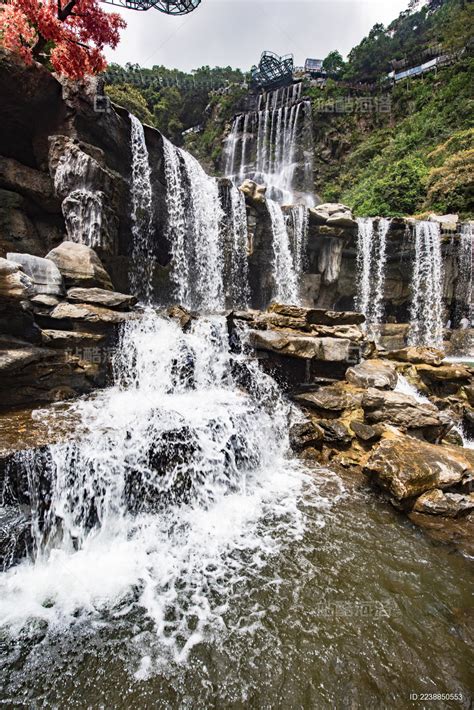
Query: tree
[70,35]
[334,63]
[130,98]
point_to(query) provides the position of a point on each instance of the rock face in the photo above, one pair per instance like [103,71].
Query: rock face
[450,505]
[373,373]
[80,266]
[43,273]
[406,467]
[400,410]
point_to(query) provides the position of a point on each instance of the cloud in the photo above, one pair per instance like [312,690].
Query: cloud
[235,32]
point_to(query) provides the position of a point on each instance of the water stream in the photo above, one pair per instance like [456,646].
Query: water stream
[426,314]
[371,267]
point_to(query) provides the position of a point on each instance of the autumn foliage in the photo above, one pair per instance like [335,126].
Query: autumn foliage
[70,35]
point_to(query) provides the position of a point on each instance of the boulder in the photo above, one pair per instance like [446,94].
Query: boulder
[88,313]
[400,410]
[43,273]
[437,502]
[417,355]
[407,467]
[366,433]
[69,338]
[326,398]
[301,346]
[101,297]
[14,283]
[254,192]
[341,219]
[334,432]
[373,373]
[15,354]
[80,266]
[304,435]
[447,222]
[449,372]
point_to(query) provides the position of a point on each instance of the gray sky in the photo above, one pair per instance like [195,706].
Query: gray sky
[235,32]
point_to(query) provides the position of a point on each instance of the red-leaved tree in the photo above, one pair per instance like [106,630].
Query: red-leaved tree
[71,35]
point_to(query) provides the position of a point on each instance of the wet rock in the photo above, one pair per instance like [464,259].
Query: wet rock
[43,273]
[334,432]
[448,222]
[15,536]
[417,355]
[253,192]
[300,346]
[400,410]
[15,354]
[329,260]
[101,297]
[14,283]
[318,316]
[341,219]
[80,266]
[68,338]
[446,373]
[407,467]
[304,435]
[451,505]
[184,317]
[89,313]
[373,373]
[326,398]
[366,433]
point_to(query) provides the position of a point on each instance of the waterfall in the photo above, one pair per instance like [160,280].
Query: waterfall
[142,251]
[299,220]
[193,231]
[275,145]
[155,511]
[464,284]
[426,313]
[284,272]
[238,288]
[371,266]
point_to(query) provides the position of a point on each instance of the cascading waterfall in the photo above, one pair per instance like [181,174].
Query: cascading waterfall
[142,205]
[299,221]
[193,231]
[238,291]
[285,277]
[426,313]
[274,145]
[464,284]
[371,266]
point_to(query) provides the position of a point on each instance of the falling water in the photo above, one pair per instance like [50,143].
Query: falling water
[284,272]
[371,266]
[193,231]
[426,314]
[299,220]
[238,288]
[273,145]
[142,252]
[464,285]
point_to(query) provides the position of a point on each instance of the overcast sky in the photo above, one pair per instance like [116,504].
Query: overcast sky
[235,32]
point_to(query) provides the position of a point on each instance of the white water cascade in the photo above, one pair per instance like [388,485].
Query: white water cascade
[299,222]
[193,231]
[141,193]
[285,276]
[238,290]
[465,284]
[273,146]
[426,313]
[371,265]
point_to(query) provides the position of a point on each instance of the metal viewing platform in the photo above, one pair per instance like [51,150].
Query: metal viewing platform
[169,7]
[272,70]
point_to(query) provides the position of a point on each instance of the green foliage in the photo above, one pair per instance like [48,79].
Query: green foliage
[130,98]
[334,63]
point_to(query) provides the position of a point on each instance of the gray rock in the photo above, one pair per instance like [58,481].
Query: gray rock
[88,313]
[80,266]
[101,297]
[300,346]
[304,435]
[28,182]
[400,410]
[14,283]
[68,338]
[366,433]
[450,505]
[341,219]
[44,273]
[326,398]
[334,432]
[373,373]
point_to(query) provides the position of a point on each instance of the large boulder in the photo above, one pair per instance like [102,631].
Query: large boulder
[406,467]
[80,266]
[43,273]
[301,346]
[400,410]
[253,192]
[373,373]
[14,283]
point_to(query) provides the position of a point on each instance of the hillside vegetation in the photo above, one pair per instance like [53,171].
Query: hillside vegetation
[413,155]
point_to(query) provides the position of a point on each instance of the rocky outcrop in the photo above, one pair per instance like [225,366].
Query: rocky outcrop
[43,273]
[373,373]
[80,266]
